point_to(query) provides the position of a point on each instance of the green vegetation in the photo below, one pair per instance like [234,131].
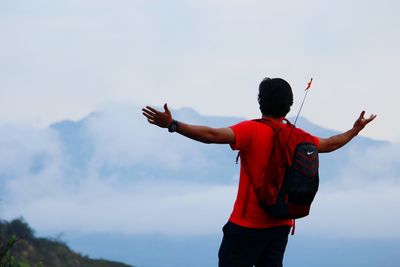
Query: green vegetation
[20,248]
[5,257]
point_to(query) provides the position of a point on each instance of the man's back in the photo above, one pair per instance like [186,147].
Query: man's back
[254,141]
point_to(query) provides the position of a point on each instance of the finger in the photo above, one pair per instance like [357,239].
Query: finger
[148,113]
[148,116]
[147,110]
[152,109]
[371,118]
[151,121]
[362,114]
[166,108]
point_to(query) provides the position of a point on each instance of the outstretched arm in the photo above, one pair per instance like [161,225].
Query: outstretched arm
[337,141]
[199,133]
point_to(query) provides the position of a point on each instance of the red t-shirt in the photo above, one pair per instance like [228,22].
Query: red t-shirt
[253,140]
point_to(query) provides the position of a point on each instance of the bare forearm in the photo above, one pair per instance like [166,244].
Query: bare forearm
[196,132]
[199,133]
[204,134]
[337,141]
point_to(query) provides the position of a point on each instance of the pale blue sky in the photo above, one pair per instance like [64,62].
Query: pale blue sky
[64,59]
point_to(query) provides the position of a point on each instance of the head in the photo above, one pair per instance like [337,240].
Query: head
[275,97]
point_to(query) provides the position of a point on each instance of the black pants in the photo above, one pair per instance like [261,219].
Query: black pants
[246,247]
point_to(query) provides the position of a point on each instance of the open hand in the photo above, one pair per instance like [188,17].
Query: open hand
[361,122]
[161,119]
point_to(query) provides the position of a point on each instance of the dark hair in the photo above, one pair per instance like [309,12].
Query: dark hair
[275,97]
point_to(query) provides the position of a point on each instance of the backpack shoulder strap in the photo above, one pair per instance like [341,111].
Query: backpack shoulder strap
[252,186]
[268,122]
[274,125]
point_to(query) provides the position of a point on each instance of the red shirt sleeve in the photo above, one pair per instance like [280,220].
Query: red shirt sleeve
[243,135]
[316,141]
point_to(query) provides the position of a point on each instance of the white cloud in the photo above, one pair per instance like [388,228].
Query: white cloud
[144,208]
[26,151]
[53,194]
[374,164]
[369,212]
[42,184]
[123,137]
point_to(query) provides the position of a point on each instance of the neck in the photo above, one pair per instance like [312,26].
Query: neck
[272,118]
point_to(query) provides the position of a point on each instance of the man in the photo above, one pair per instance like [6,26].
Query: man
[252,237]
